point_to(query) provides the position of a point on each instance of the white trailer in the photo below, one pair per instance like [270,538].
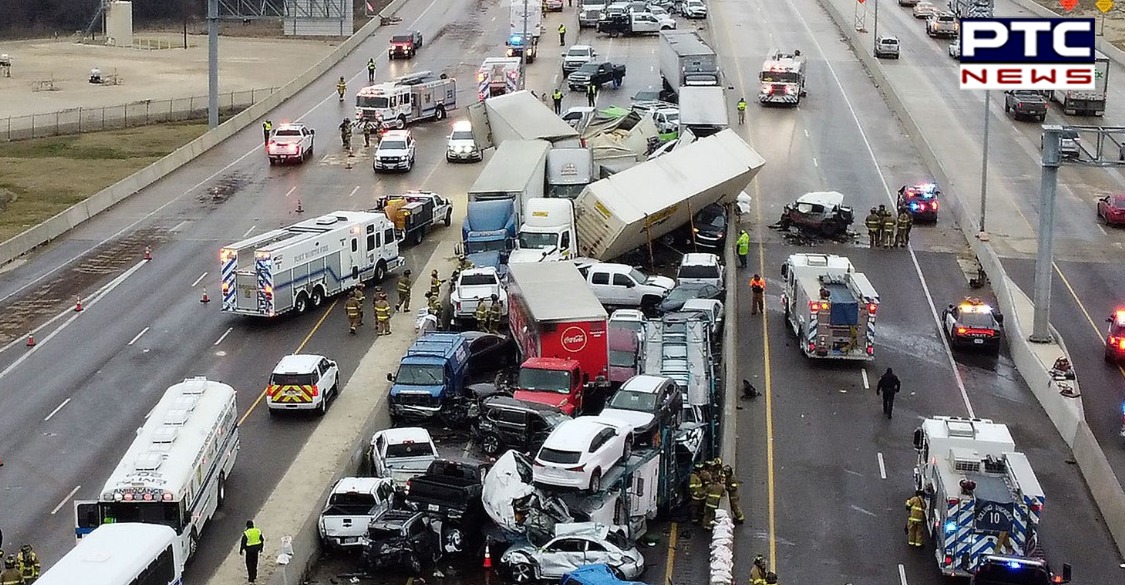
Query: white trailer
[1086,102]
[685,60]
[517,116]
[703,111]
[525,16]
[649,200]
[407,99]
[517,172]
[830,307]
[298,267]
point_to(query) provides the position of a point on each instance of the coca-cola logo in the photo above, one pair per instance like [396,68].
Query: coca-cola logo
[574,339]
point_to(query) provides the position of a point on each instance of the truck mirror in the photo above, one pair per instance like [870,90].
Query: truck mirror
[390,377]
[1066,573]
[585,378]
[312,131]
[918,439]
[1000,318]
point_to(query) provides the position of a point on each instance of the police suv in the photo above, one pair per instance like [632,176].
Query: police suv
[972,323]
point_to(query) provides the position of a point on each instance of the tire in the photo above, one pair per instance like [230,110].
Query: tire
[221,496]
[595,481]
[418,236]
[193,543]
[336,389]
[273,161]
[439,113]
[301,304]
[400,122]
[317,297]
[522,572]
[490,444]
[448,218]
[380,271]
[272,411]
[454,541]
[1007,108]
[323,408]
[831,228]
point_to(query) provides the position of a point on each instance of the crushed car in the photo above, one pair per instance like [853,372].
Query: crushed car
[820,213]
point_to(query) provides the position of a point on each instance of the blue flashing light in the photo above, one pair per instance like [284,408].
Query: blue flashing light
[515,40]
[950,526]
[1014,565]
[1123,408]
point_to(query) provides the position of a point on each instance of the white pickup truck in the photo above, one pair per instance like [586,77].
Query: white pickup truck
[290,142]
[352,505]
[621,285]
[474,286]
[402,453]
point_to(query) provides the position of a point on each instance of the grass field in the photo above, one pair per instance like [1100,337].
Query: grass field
[40,178]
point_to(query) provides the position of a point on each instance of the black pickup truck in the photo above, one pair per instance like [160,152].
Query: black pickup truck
[450,488]
[1025,104]
[597,74]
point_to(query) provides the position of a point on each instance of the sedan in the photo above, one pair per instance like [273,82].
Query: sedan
[579,452]
[694,9]
[924,10]
[1111,209]
[489,352]
[710,226]
[683,293]
[579,545]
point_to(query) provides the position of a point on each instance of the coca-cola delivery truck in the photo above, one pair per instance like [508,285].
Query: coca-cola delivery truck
[560,330]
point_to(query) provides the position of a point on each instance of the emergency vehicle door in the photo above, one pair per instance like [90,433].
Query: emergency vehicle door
[355,258]
[86,517]
[373,238]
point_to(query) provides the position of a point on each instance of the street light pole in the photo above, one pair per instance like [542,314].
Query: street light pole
[984,164]
[212,63]
[1044,261]
[875,35]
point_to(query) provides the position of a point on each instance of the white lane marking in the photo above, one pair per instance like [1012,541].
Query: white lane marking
[90,302]
[56,410]
[247,234]
[224,336]
[863,373]
[201,276]
[290,191]
[902,574]
[806,133]
[862,511]
[814,163]
[887,190]
[882,466]
[354,191]
[66,499]
[324,158]
[143,331]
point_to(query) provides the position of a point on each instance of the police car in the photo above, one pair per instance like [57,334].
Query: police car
[972,323]
[1115,337]
[920,200]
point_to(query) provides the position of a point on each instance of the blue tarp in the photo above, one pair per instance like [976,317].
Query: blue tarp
[594,575]
[845,309]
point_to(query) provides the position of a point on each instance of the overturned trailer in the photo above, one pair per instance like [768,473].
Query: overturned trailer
[645,202]
[518,116]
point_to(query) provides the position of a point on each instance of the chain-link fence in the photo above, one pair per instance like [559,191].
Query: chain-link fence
[77,120]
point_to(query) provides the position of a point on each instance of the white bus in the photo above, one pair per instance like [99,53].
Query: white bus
[175,470]
[121,554]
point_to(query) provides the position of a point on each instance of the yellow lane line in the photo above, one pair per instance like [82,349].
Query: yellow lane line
[671,561]
[1085,312]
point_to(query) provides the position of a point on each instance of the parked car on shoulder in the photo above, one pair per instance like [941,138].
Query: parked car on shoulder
[580,451]
[886,47]
[1111,209]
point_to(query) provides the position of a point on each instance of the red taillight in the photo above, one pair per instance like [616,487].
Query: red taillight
[1036,508]
[961,331]
[870,351]
[953,501]
[579,468]
[871,308]
[812,346]
[934,204]
[814,306]
[921,207]
[1121,343]
[948,560]
[315,390]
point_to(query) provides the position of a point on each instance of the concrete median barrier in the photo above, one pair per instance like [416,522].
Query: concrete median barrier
[1033,360]
[67,220]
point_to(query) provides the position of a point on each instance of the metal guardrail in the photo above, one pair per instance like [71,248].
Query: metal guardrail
[78,120]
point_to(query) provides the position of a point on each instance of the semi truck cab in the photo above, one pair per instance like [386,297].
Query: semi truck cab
[557,382]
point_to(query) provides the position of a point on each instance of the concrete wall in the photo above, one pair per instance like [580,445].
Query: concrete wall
[127,187]
[1032,360]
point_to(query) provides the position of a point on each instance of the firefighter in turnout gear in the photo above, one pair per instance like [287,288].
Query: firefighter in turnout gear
[351,306]
[433,304]
[887,234]
[905,221]
[403,288]
[435,283]
[464,264]
[915,524]
[11,574]
[383,315]
[698,492]
[732,485]
[874,224]
[341,87]
[758,571]
[715,491]
[366,134]
[705,479]
[495,314]
[357,292]
[29,564]
[346,133]
[481,315]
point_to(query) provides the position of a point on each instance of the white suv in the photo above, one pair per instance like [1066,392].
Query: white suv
[395,152]
[462,146]
[701,268]
[303,382]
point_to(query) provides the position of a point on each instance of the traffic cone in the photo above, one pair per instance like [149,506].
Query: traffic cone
[30,339]
[205,299]
[487,556]
[299,208]
[148,253]
[77,304]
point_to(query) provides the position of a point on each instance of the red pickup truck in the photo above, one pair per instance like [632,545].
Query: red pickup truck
[405,46]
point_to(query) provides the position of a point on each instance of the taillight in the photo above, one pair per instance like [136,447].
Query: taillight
[934,205]
[1036,508]
[961,330]
[814,306]
[871,308]
[948,560]
[870,350]
[812,346]
[579,468]
[1121,343]
[315,390]
[953,501]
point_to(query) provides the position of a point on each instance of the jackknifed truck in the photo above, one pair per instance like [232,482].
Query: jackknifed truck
[830,307]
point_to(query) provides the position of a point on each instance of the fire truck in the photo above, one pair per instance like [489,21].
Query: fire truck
[982,496]
[407,99]
[783,78]
[498,76]
[830,307]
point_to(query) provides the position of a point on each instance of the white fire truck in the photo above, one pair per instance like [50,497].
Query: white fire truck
[783,78]
[498,76]
[407,99]
[298,267]
[982,497]
[830,307]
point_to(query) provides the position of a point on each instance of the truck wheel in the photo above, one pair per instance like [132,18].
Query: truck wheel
[1007,108]
[400,122]
[301,304]
[317,297]
[418,235]
[380,271]
[439,113]
[221,494]
[323,408]
[490,443]
[448,218]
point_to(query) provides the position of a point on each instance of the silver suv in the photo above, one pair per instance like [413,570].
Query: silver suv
[886,47]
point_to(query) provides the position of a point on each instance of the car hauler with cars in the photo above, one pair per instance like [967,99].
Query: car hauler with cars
[298,267]
[561,337]
[679,346]
[685,60]
[407,99]
[829,306]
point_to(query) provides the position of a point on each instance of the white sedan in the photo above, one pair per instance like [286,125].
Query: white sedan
[924,10]
[694,9]
[581,544]
[580,451]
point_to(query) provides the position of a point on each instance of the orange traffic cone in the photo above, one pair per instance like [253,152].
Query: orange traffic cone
[77,304]
[31,339]
[299,208]
[205,299]
[148,253]
[487,556]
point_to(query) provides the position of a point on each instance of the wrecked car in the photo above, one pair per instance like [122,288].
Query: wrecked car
[820,213]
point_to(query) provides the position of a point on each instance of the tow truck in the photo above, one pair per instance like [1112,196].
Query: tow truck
[920,201]
[972,323]
[407,99]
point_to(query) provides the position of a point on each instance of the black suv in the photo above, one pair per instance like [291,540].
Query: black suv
[400,538]
[507,423]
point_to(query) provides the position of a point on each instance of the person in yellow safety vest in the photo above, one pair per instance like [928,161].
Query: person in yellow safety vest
[11,574]
[758,571]
[915,524]
[403,286]
[267,129]
[733,497]
[435,283]
[495,314]
[889,222]
[351,307]
[698,491]
[741,106]
[905,221]
[252,542]
[742,247]
[562,35]
[370,71]
[29,564]
[556,98]
[341,87]
[874,224]
[383,315]
[715,493]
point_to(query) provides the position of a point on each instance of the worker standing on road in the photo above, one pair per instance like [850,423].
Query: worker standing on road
[698,493]
[433,304]
[29,564]
[706,479]
[915,524]
[874,225]
[463,264]
[371,71]
[341,87]
[905,221]
[435,283]
[742,247]
[404,285]
[888,386]
[358,293]
[889,222]
[715,493]
[346,133]
[758,571]
[11,574]
[758,295]
[556,97]
[383,314]
[741,107]
[366,134]
[591,94]
[495,314]
[351,307]
[481,315]
[267,129]
[732,484]
[562,35]
[252,541]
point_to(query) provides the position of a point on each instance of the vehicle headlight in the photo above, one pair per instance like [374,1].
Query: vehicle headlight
[765,88]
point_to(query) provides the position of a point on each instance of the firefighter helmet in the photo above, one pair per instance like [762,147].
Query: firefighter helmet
[10,562]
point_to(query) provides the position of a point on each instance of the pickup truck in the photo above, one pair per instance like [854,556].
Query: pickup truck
[290,142]
[352,505]
[475,286]
[402,453]
[597,74]
[620,285]
[405,45]
[1025,103]
[449,488]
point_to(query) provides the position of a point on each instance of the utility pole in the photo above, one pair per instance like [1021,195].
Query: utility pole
[183,16]
[523,48]
[212,63]
[1045,259]
[875,34]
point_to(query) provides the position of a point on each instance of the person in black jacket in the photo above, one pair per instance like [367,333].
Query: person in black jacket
[888,386]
